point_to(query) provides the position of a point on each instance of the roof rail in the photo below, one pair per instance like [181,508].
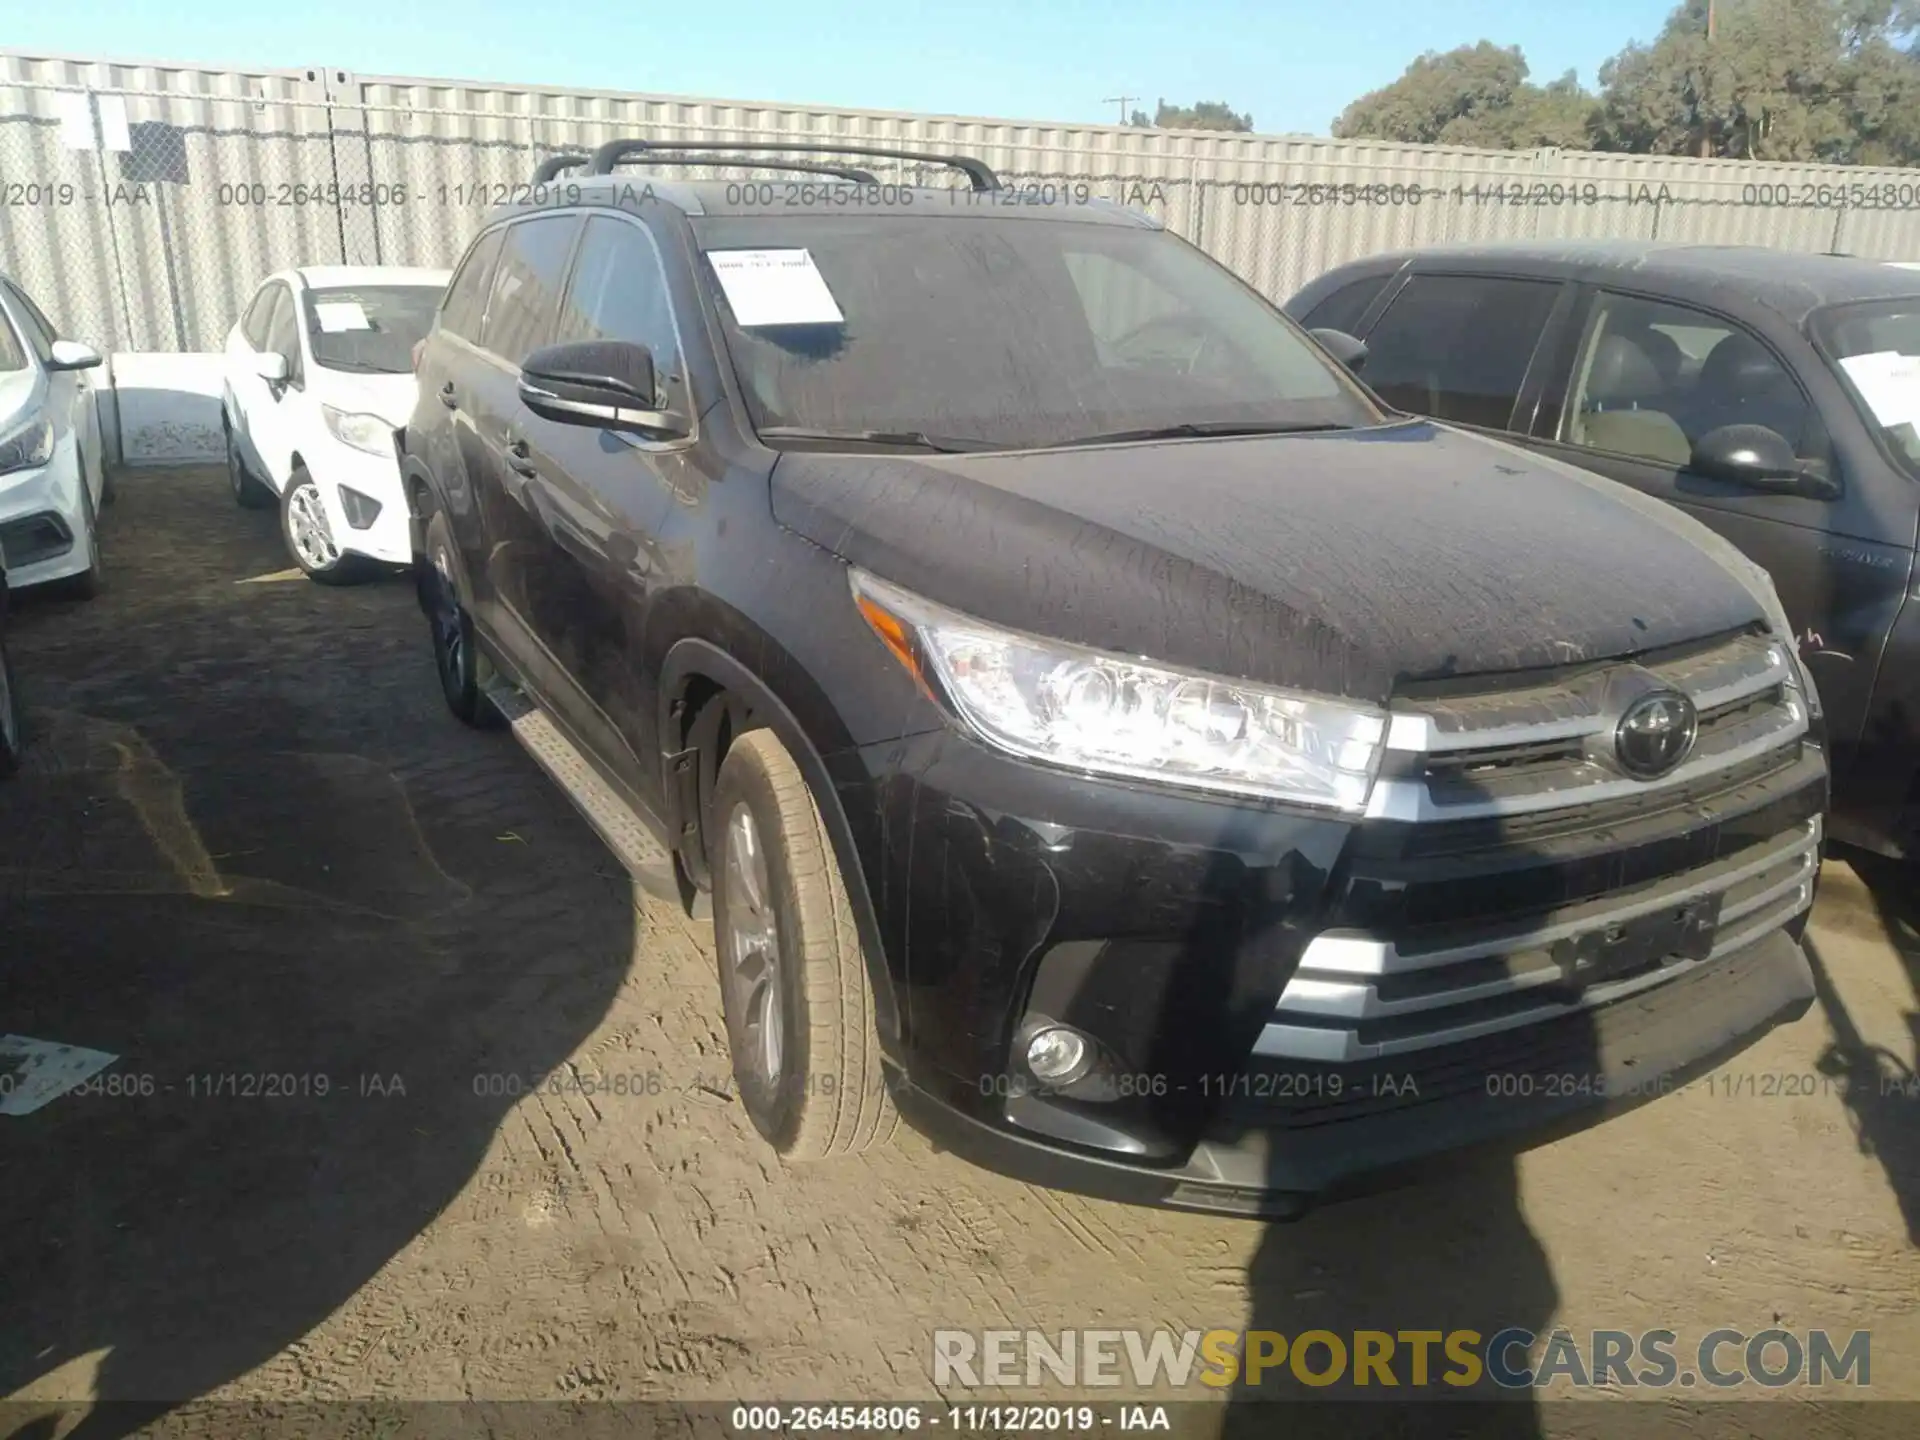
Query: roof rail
[614,151]
[554,164]
[839,172]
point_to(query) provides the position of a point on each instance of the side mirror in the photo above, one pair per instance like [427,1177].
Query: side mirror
[608,384]
[1343,347]
[1760,458]
[72,355]
[272,367]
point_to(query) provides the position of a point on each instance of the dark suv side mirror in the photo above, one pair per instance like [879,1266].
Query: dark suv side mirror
[608,384]
[1343,347]
[1760,459]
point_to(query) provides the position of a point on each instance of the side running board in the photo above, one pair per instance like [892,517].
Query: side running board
[613,819]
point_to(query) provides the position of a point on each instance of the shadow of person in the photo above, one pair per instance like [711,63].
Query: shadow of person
[1881,1082]
[264,871]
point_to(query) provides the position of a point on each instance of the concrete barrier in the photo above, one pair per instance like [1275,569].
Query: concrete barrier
[162,409]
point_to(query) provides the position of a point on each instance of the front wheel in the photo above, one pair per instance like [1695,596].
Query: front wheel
[793,979]
[309,534]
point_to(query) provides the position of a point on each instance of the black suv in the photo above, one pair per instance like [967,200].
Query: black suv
[1773,395]
[1102,733]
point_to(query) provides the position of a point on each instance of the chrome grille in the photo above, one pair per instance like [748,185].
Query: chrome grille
[1357,997]
[1511,761]
[1546,747]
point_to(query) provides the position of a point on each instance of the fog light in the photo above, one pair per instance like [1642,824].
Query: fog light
[362,510]
[1057,1055]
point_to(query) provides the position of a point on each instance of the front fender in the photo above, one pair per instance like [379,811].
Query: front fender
[693,657]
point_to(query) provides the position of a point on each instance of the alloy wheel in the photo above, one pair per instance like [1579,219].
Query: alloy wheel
[307,524]
[753,948]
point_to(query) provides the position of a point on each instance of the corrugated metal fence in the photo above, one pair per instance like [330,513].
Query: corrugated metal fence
[141,203]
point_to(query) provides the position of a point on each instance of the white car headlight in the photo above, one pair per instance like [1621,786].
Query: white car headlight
[363,432]
[26,446]
[1081,709]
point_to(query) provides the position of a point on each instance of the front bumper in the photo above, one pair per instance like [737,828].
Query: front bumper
[1565,1077]
[1170,929]
[388,539]
[43,520]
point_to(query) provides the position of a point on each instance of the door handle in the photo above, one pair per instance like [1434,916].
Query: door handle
[519,458]
[446,396]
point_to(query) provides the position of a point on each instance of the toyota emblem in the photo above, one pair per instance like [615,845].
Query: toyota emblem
[1656,734]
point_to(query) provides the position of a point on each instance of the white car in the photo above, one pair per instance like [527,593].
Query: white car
[318,376]
[53,479]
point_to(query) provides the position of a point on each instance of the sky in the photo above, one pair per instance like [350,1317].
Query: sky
[1294,64]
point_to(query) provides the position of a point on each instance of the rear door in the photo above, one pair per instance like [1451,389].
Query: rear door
[442,431]
[1460,348]
[603,498]
[270,408]
[246,391]
[1645,379]
[522,302]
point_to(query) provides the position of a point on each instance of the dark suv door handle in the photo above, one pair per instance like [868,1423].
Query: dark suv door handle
[519,458]
[446,396]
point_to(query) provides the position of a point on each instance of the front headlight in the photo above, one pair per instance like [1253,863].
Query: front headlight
[1083,710]
[363,432]
[28,446]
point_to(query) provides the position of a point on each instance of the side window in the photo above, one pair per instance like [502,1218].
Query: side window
[465,305]
[619,292]
[13,350]
[253,325]
[283,335]
[1343,308]
[34,325]
[1654,377]
[1457,347]
[526,285]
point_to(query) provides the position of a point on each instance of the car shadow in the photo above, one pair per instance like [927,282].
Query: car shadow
[331,939]
[1881,1085]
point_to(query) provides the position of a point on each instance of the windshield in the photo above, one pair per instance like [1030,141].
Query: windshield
[371,329]
[1876,348]
[1010,334]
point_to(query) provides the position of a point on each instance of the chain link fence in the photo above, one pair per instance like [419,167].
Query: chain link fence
[142,219]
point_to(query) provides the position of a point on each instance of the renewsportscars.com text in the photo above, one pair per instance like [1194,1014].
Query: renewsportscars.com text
[1513,1359]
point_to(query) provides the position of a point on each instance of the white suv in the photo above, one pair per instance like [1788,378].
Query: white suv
[319,374]
[52,479]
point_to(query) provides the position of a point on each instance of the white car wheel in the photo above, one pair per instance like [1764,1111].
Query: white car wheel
[309,534]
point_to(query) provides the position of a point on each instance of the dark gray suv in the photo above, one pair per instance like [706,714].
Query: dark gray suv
[1101,732]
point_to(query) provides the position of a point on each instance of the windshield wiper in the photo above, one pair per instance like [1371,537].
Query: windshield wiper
[1193,429]
[915,439]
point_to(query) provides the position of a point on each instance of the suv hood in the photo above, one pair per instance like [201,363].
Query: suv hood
[1345,563]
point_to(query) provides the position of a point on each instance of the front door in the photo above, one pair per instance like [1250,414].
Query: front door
[603,497]
[1648,379]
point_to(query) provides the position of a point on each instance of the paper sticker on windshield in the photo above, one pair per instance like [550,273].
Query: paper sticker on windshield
[775,287]
[1890,383]
[338,316]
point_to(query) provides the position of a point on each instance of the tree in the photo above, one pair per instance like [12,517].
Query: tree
[1207,115]
[1831,80]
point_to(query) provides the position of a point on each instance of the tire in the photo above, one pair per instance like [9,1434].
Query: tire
[309,535]
[92,580]
[463,670]
[818,1090]
[248,492]
[12,727]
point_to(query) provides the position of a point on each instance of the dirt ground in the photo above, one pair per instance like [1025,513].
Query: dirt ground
[251,852]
